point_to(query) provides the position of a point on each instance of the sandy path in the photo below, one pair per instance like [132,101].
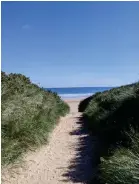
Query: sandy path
[66,159]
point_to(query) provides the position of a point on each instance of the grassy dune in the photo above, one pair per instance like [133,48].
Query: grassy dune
[29,113]
[123,166]
[111,115]
[112,111]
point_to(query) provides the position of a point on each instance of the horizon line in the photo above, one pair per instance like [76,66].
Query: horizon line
[83,87]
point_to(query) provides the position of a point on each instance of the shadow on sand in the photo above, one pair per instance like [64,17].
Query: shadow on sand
[83,168]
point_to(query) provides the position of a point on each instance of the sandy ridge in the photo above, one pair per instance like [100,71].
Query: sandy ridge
[50,164]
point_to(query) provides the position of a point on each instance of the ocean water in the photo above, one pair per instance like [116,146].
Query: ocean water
[77,92]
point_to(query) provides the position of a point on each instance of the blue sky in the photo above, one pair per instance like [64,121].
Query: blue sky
[64,44]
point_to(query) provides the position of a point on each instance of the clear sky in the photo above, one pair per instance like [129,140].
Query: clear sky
[65,44]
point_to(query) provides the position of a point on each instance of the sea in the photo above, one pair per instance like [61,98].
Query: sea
[77,92]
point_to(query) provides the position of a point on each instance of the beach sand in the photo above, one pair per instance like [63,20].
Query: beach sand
[66,158]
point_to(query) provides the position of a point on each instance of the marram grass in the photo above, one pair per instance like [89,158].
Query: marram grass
[28,114]
[123,166]
[109,115]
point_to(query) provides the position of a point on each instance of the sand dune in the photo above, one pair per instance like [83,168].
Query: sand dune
[66,159]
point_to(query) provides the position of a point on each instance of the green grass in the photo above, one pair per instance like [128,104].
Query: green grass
[29,113]
[123,166]
[112,111]
[109,115]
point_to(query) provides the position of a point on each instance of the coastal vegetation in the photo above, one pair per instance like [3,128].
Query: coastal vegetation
[113,116]
[28,114]
[122,167]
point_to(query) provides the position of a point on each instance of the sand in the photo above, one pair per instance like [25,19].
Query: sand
[66,159]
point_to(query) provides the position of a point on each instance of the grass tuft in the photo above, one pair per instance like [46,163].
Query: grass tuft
[123,166]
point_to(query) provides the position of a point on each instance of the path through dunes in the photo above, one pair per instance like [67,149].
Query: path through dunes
[66,159]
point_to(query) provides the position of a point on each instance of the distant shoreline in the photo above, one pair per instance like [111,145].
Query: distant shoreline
[68,100]
[79,92]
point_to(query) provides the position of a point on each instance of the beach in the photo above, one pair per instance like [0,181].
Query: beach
[70,92]
[61,160]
